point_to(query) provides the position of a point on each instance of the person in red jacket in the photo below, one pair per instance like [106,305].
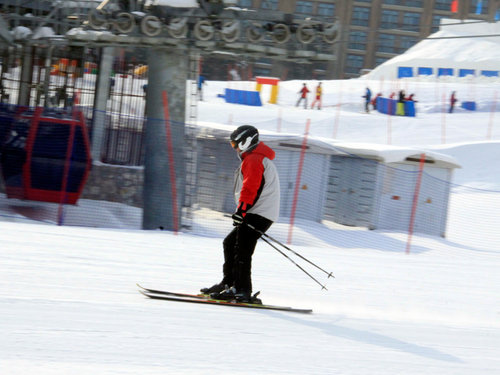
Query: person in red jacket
[453,100]
[257,197]
[303,96]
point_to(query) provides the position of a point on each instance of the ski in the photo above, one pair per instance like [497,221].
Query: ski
[170,296]
[164,292]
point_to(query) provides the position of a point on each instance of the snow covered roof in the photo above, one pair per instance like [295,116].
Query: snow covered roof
[394,154]
[382,153]
[448,49]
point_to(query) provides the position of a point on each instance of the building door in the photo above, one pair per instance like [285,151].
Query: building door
[312,186]
[351,190]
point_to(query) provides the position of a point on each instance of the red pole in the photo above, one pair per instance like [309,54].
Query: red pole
[171,160]
[415,202]
[297,181]
[67,162]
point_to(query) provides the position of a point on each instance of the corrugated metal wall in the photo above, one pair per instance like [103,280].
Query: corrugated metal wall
[217,162]
[312,192]
[397,189]
[351,190]
[347,190]
[215,175]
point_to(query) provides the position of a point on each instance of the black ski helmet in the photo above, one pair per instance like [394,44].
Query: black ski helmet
[245,138]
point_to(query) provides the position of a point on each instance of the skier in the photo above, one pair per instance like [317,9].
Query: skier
[319,92]
[200,83]
[368,97]
[257,195]
[402,96]
[303,96]
[374,100]
[453,100]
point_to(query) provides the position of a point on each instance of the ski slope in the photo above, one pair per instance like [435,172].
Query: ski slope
[69,303]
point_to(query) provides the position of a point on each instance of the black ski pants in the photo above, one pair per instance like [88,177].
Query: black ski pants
[239,246]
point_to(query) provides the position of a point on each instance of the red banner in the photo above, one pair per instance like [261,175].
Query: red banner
[454,6]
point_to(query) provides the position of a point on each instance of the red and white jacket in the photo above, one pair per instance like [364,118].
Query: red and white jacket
[257,183]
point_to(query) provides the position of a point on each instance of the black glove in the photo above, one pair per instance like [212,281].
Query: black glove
[237,218]
[240,213]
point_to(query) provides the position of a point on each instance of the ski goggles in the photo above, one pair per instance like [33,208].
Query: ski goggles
[234,144]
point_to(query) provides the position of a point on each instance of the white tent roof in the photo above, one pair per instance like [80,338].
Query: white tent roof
[448,49]
[382,153]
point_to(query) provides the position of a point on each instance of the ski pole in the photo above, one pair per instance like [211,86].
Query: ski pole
[291,260]
[330,274]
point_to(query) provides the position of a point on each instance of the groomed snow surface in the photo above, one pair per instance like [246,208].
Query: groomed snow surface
[69,303]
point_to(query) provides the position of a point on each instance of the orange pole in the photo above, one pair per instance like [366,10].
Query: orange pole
[297,181]
[415,202]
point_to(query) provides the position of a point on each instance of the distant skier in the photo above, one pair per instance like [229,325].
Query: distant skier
[453,100]
[317,99]
[200,83]
[374,100]
[400,106]
[257,195]
[303,96]
[402,96]
[411,98]
[368,98]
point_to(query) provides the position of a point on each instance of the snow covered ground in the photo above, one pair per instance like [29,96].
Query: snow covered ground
[69,304]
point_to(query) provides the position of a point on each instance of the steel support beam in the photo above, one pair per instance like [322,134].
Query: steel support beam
[164,153]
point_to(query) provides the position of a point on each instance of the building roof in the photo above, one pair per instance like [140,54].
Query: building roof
[378,152]
[468,44]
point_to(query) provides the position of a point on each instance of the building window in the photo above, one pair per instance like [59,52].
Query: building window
[304,7]
[436,21]
[380,60]
[360,16]
[387,43]
[406,42]
[357,40]
[264,60]
[412,20]
[479,7]
[415,3]
[354,64]
[326,10]
[443,5]
[269,4]
[257,71]
[389,19]
[408,3]
[246,3]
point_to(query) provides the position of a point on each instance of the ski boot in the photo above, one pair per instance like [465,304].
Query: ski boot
[228,294]
[216,288]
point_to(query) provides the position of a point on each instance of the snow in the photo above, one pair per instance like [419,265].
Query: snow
[450,47]
[69,303]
